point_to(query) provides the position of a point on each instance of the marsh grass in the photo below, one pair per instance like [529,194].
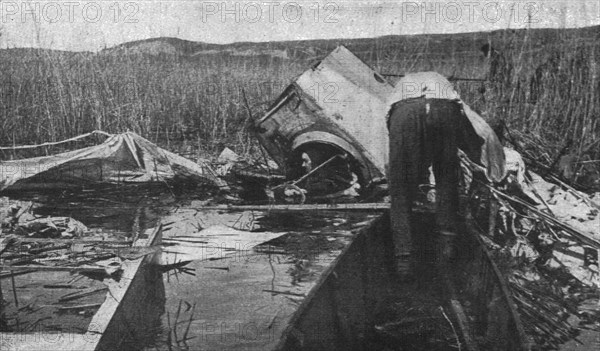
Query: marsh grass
[194,104]
[180,103]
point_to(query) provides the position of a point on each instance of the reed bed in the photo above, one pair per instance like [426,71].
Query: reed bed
[547,96]
[180,103]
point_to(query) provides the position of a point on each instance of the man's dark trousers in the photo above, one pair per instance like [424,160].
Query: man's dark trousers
[424,132]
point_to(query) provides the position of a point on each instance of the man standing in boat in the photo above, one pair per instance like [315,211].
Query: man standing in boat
[427,124]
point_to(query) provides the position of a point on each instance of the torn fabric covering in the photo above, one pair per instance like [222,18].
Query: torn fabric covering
[492,151]
[122,158]
[433,85]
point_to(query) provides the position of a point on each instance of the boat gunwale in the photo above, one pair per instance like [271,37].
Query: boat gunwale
[100,322]
[309,300]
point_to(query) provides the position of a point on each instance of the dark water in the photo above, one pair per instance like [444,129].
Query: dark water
[110,212]
[123,209]
[244,301]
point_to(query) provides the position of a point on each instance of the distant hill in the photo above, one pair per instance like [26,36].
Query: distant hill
[154,46]
[181,47]
[391,47]
[439,45]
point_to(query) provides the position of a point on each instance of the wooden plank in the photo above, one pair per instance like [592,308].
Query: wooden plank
[374,206]
[5,275]
[61,286]
[78,295]
[242,173]
[74,241]
[31,267]
[79,307]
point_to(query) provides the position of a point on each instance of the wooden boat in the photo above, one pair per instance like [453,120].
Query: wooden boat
[351,305]
[120,319]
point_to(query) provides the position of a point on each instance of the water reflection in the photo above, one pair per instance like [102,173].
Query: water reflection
[240,301]
[245,300]
[116,212]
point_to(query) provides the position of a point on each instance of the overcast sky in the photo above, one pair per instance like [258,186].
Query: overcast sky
[93,25]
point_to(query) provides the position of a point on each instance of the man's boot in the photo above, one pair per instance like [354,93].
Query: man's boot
[404,264]
[446,250]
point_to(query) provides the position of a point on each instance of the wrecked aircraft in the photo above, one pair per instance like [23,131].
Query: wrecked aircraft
[341,102]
